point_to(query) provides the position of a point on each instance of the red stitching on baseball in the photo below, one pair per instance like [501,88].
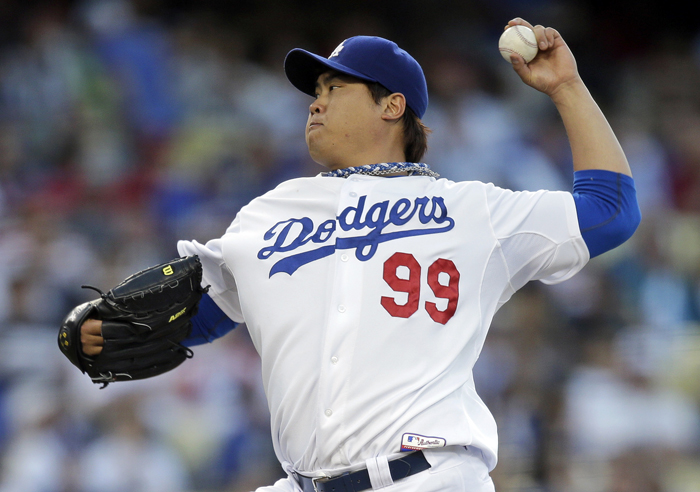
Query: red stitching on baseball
[522,38]
[508,50]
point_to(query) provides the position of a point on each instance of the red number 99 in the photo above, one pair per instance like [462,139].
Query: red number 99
[411,286]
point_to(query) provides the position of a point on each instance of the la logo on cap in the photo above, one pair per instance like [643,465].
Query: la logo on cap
[337,51]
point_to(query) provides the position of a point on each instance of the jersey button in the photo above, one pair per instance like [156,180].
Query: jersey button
[353,194]
[328,412]
[334,359]
[344,257]
[341,308]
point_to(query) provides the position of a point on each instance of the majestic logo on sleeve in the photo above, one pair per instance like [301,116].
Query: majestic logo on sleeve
[382,222]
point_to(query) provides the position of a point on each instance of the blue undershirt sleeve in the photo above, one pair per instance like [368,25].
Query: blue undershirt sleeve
[607,208]
[208,324]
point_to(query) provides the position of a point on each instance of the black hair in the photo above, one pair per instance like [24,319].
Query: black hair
[414,131]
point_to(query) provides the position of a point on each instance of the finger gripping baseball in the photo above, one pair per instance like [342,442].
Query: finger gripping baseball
[520,40]
[144,319]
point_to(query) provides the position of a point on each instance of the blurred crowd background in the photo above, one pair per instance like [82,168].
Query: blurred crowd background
[126,125]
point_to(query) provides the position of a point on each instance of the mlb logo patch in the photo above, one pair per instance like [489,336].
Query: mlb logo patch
[415,442]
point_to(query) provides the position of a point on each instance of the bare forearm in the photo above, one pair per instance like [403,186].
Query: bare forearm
[593,142]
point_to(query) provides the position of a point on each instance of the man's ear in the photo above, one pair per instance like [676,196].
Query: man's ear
[394,107]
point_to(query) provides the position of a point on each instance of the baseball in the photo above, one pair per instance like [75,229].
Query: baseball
[520,40]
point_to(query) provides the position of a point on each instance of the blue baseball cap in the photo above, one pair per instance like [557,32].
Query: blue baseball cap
[368,58]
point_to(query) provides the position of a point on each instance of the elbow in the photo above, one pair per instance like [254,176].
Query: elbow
[635,220]
[615,233]
[607,208]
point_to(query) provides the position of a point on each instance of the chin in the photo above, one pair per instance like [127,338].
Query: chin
[319,157]
[328,165]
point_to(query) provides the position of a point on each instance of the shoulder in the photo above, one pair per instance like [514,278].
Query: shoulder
[294,185]
[504,202]
[300,186]
[473,189]
[294,194]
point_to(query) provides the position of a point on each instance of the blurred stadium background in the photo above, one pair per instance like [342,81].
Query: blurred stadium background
[127,125]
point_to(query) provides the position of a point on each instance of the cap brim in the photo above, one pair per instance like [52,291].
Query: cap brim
[303,68]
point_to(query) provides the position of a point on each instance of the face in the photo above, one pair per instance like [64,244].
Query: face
[344,122]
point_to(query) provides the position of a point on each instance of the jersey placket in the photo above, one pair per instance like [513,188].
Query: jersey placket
[341,334]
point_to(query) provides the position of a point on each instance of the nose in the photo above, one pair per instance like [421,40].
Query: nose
[315,107]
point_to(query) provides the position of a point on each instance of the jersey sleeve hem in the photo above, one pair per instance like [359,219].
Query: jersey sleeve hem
[575,243]
[215,275]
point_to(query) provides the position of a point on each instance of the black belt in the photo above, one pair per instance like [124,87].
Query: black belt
[359,480]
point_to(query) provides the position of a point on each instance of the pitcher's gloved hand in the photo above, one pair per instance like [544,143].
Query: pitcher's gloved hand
[144,319]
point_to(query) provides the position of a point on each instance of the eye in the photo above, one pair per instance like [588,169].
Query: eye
[330,88]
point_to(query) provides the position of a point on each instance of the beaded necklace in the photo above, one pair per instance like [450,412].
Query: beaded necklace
[384,168]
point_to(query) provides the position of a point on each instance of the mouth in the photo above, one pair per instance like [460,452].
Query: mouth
[314,125]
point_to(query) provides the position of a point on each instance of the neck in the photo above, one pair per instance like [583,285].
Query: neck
[383,147]
[364,160]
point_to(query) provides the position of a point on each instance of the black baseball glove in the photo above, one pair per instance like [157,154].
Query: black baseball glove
[144,319]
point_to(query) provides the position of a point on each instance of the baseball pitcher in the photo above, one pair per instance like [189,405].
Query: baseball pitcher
[369,289]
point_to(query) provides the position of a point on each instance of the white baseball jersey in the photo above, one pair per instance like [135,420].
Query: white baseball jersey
[369,298]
